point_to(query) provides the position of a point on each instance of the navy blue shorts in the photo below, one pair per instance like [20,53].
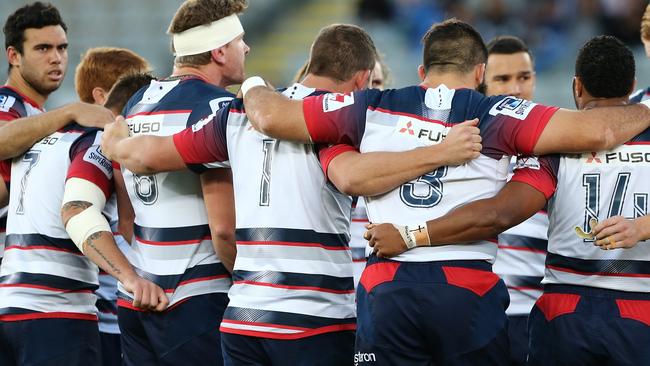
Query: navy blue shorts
[111,349]
[575,325]
[49,342]
[431,313]
[518,337]
[328,349]
[186,334]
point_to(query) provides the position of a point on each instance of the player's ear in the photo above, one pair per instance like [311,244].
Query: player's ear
[99,95]
[362,79]
[578,88]
[422,73]
[219,55]
[13,56]
[479,73]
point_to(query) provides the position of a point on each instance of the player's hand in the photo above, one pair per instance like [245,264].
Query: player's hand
[616,232]
[90,115]
[463,143]
[113,133]
[385,240]
[146,294]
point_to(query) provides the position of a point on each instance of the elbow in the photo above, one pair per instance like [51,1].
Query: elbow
[223,234]
[498,221]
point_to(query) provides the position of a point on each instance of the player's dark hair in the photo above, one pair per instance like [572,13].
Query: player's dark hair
[124,88]
[341,50]
[606,67]
[37,15]
[452,46]
[193,13]
[507,45]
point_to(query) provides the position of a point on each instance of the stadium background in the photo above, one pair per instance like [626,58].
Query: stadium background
[280,31]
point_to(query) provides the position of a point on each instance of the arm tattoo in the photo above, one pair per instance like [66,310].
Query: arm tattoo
[90,242]
[76,204]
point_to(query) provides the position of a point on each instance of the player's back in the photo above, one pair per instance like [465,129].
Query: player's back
[599,185]
[173,246]
[13,105]
[403,119]
[293,272]
[43,274]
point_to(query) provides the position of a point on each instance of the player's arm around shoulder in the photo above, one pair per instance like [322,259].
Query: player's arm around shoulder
[592,130]
[272,113]
[142,154]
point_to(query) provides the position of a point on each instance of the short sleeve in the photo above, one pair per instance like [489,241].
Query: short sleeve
[512,126]
[203,145]
[336,118]
[327,154]
[539,173]
[87,162]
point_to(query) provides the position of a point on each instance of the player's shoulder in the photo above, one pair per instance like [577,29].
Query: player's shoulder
[10,99]
[407,99]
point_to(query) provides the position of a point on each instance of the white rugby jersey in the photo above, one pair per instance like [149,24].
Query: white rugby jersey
[520,259]
[358,245]
[594,185]
[404,119]
[173,246]
[293,272]
[43,274]
[13,105]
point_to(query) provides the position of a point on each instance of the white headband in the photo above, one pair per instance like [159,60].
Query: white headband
[207,37]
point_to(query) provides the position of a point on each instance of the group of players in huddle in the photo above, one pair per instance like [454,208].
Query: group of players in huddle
[200,227]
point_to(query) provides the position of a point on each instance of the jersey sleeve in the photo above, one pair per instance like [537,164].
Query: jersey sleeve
[328,153]
[539,173]
[336,118]
[512,126]
[87,162]
[203,145]
[5,171]
[10,108]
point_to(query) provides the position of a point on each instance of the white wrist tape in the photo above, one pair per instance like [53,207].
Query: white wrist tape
[86,223]
[89,221]
[251,82]
[414,235]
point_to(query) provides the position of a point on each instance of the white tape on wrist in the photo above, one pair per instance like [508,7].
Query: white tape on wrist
[251,82]
[414,235]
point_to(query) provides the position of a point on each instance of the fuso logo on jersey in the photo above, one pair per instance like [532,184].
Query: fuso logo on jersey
[429,132]
[6,102]
[513,107]
[336,101]
[95,157]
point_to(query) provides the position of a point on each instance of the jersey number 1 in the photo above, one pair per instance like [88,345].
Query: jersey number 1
[265,182]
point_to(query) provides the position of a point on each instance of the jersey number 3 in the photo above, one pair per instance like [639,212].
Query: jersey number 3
[426,191]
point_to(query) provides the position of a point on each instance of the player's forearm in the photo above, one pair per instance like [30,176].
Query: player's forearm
[592,130]
[479,220]
[375,173]
[101,248]
[275,115]
[19,135]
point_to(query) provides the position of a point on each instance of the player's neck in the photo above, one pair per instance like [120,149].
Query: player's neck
[450,80]
[22,86]
[325,83]
[605,102]
[201,73]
